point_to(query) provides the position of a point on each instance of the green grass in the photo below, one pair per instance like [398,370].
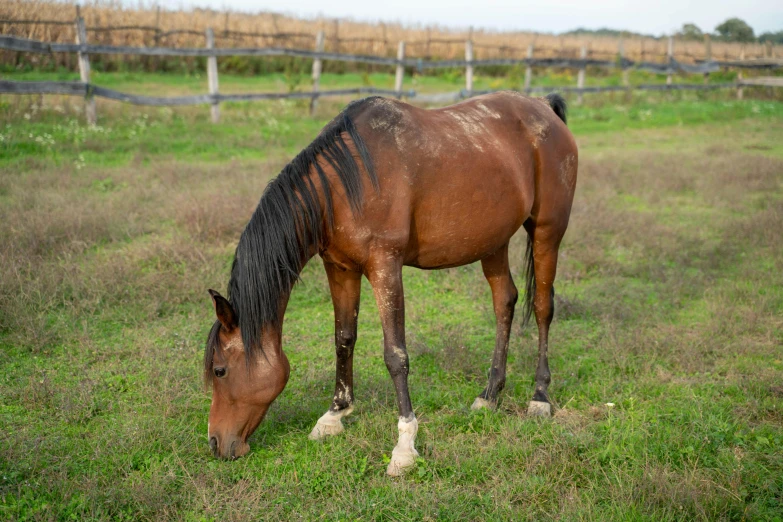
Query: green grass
[669,306]
[448,80]
[52,130]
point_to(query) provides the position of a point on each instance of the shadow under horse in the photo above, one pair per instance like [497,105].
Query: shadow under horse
[386,184]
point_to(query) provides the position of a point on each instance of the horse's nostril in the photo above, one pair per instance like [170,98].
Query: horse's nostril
[213,445]
[232,451]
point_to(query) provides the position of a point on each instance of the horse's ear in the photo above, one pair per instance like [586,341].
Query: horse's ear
[223,310]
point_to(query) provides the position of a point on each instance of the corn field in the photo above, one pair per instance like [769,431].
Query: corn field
[111,23]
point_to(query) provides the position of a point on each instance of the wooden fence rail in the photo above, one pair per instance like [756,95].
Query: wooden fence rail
[12,43]
[383,41]
[82,89]
[214,98]
[86,89]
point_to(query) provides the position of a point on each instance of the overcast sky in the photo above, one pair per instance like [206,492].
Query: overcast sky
[646,16]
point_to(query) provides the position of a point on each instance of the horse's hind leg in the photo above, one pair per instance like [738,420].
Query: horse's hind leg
[345,287]
[504,297]
[545,241]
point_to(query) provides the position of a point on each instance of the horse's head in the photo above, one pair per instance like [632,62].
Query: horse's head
[242,387]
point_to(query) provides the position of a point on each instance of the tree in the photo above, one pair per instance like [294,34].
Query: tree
[735,30]
[691,32]
[775,38]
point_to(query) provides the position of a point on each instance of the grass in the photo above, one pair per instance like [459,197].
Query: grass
[274,130]
[669,306]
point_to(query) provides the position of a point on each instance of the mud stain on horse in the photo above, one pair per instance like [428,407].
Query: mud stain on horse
[401,354]
[539,129]
[472,124]
[344,394]
[488,112]
[392,119]
[568,171]
[379,123]
[234,344]
[542,101]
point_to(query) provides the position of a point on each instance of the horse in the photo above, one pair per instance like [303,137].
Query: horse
[387,184]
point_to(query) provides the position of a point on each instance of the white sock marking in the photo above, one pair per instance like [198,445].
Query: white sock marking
[480,403]
[330,423]
[404,453]
[539,409]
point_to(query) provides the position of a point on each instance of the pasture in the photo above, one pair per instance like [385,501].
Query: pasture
[665,349]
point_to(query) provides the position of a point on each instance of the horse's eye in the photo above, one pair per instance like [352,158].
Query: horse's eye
[220,372]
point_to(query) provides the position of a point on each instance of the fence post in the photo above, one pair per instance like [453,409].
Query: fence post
[212,76]
[400,69]
[529,69]
[621,52]
[707,55]
[157,27]
[670,55]
[84,72]
[469,66]
[319,48]
[768,53]
[740,90]
[580,78]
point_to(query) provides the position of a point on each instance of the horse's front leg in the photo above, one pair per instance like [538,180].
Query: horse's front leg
[386,280]
[345,287]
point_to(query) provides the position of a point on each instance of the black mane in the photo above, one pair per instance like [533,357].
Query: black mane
[286,225]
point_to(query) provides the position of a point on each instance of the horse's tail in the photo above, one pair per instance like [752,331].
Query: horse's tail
[530,282]
[558,105]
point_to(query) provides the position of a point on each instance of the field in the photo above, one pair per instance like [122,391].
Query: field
[665,348]
[236,29]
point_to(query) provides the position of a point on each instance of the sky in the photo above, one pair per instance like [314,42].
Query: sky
[651,16]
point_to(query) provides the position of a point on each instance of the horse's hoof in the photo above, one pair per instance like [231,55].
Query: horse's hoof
[480,404]
[404,453]
[321,430]
[539,409]
[329,424]
[401,462]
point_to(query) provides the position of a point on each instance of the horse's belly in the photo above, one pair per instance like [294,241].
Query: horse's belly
[454,231]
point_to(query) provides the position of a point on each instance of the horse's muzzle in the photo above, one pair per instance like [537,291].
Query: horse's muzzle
[233,448]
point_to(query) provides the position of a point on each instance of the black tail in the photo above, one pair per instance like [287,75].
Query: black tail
[530,281]
[558,105]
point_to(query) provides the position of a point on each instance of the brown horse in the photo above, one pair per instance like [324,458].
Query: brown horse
[386,184]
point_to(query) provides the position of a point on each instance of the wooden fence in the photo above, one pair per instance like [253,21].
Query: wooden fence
[214,98]
[153,28]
